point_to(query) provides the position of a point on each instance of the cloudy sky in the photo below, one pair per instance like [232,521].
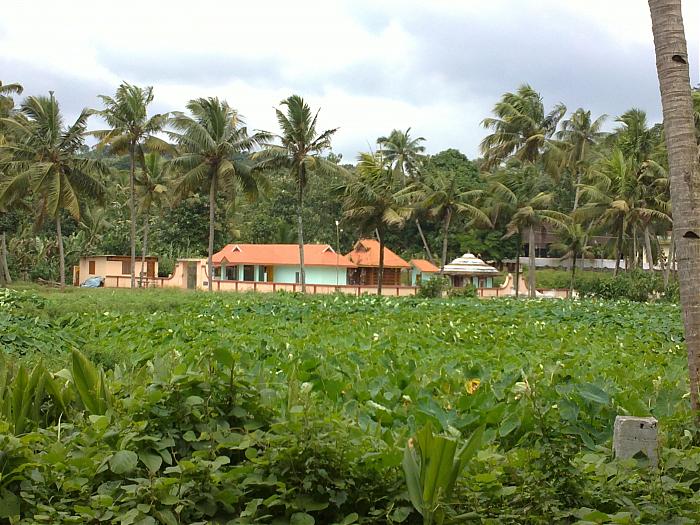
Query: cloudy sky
[437,66]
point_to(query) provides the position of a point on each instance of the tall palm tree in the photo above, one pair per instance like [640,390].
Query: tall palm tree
[45,162]
[152,191]
[684,170]
[131,131]
[7,106]
[214,147]
[635,138]
[300,151]
[519,192]
[624,201]
[443,196]
[521,128]
[579,135]
[403,152]
[573,242]
[372,203]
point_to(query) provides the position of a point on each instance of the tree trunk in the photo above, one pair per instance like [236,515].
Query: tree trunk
[425,243]
[517,269]
[573,277]
[531,262]
[380,276]
[669,264]
[633,258]
[212,218]
[647,247]
[445,232]
[5,276]
[618,253]
[577,195]
[300,224]
[674,82]
[132,212]
[144,252]
[61,256]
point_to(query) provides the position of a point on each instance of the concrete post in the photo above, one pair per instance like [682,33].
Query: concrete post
[633,435]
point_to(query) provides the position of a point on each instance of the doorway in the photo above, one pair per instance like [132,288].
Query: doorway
[191,275]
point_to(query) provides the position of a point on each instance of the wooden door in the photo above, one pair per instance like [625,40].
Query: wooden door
[191,275]
[151,269]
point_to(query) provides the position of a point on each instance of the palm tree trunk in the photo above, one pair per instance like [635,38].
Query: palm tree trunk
[531,262]
[212,218]
[446,229]
[132,212]
[144,252]
[5,276]
[669,264]
[300,226]
[618,253]
[647,247]
[577,195]
[684,172]
[425,243]
[517,269]
[573,277]
[380,276]
[61,256]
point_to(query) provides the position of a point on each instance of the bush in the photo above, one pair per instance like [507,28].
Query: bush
[466,291]
[434,287]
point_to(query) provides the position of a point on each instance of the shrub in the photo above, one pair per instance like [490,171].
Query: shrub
[434,287]
[466,291]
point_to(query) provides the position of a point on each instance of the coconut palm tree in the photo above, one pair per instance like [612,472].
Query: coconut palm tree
[521,128]
[372,203]
[131,131]
[625,201]
[573,243]
[403,152]
[301,152]
[684,171]
[579,135]
[152,191]
[214,149]
[520,193]
[442,195]
[45,161]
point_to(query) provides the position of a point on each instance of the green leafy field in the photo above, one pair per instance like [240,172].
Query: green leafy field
[286,409]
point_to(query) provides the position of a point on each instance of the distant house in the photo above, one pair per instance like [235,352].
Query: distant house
[422,270]
[365,255]
[279,263]
[112,266]
[469,269]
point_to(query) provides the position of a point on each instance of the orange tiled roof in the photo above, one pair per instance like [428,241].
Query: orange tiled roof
[366,253]
[425,266]
[280,255]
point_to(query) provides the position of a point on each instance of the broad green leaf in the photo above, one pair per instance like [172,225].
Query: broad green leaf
[123,461]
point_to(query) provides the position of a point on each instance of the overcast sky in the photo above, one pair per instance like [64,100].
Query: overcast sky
[437,66]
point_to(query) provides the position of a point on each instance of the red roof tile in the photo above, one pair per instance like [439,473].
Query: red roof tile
[280,255]
[425,266]
[366,253]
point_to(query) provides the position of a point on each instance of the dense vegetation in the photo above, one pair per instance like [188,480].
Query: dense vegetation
[157,183]
[296,410]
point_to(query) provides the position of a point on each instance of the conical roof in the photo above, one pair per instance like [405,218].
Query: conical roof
[469,264]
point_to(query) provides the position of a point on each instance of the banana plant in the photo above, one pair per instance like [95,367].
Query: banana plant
[90,384]
[22,395]
[432,464]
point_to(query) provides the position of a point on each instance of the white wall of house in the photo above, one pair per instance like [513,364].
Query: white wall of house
[288,274]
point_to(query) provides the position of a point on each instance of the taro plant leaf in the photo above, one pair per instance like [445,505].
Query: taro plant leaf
[302,518]
[152,461]
[123,461]
[9,504]
[90,384]
[594,393]
[431,465]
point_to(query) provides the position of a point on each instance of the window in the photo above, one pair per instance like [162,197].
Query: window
[91,267]
[126,267]
[248,272]
[261,274]
[232,273]
[297,278]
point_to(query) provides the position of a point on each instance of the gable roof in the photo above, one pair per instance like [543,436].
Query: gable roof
[366,253]
[469,264]
[280,255]
[425,266]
